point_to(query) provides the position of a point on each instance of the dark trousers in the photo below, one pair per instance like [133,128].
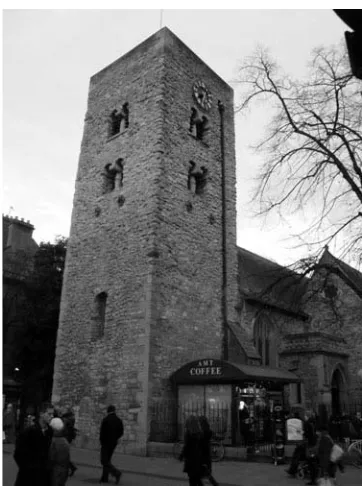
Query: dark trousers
[313,468]
[299,454]
[195,481]
[108,468]
[33,477]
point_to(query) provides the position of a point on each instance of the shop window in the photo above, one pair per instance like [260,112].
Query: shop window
[265,340]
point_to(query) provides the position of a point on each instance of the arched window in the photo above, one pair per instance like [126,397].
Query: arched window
[265,340]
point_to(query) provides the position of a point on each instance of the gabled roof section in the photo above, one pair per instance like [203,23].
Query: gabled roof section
[243,340]
[267,282]
[349,274]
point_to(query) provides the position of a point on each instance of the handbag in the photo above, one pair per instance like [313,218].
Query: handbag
[336,453]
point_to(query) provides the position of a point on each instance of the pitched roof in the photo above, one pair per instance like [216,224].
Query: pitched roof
[265,281]
[244,341]
[349,274]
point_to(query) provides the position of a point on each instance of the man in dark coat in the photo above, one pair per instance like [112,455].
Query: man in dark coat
[111,431]
[32,451]
[70,434]
[310,435]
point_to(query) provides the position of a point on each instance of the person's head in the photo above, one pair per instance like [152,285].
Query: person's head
[309,415]
[46,413]
[57,426]
[358,415]
[192,425]
[204,423]
[111,409]
[9,407]
[323,429]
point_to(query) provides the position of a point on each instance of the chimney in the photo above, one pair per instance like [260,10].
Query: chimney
[19,233]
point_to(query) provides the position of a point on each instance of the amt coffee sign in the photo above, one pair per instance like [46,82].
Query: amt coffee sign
[206,367]
[206,370]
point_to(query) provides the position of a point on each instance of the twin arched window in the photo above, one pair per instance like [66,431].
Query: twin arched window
[265,340]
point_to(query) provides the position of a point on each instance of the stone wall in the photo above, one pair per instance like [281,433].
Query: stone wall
[337,309]
[157,258]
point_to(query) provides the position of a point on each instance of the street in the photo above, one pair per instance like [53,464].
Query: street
[90,475]
[164,472]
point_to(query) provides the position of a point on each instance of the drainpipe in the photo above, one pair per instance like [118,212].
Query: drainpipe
[224,352]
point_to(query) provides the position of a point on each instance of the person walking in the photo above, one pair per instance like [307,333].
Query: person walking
[193,451]
[31,452]
[310,435]
[110,432]
[299,453]
[9,424]
[206,450]
[325,445]
[59,454]
[70,434]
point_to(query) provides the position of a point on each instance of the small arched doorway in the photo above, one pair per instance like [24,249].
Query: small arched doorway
[338,389]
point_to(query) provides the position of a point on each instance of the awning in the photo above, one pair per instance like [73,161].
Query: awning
[209,370]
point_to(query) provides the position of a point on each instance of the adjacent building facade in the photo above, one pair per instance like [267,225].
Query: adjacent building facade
[158,302]
[19,249]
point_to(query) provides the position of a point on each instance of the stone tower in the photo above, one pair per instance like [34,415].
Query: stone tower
[151,270]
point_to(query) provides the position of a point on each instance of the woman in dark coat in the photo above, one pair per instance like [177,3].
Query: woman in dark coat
[206,449]
[193,451]
[31,452]
[325,445]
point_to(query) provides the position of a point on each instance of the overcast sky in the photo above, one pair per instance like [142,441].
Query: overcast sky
[49,56]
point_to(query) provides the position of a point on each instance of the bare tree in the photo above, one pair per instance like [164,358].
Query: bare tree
[312,147]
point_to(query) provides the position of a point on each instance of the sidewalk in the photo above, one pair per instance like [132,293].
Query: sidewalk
[229,473]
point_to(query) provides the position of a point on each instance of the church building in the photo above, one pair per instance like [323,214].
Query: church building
[159,305]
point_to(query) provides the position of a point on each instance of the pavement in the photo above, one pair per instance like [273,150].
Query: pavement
[228,473]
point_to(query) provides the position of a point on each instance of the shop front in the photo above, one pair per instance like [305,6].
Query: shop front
[238,400]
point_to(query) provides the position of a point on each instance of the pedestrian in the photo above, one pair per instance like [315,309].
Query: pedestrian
[32,451]
[9,424]
[310,435]
[357,423]
[206,450]
[111,431]
[244,423]
[193,453]
[299,453]
[324,449]
[70,434]
[59,454]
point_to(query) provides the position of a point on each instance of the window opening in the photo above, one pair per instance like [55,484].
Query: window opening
[119,120]
[197,178]
[199,125]
[113,176]
[265,340]
[101,304]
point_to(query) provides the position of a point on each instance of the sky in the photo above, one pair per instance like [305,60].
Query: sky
[49,56]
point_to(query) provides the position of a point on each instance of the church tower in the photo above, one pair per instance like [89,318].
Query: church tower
[151,272]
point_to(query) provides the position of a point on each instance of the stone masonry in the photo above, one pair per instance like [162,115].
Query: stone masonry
[147,251]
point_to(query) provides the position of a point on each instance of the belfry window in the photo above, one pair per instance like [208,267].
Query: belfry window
[119,120]
[113,176]
[199,125]
[265,340]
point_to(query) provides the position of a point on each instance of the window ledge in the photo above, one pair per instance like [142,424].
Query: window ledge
[199,140]
[109,139]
